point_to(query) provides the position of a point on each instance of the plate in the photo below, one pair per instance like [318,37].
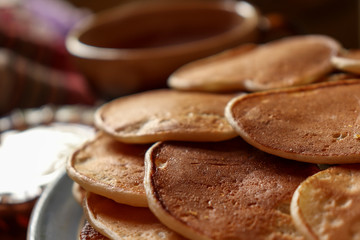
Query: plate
[56,215]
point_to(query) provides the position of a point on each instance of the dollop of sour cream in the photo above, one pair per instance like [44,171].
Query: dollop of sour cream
[35,157]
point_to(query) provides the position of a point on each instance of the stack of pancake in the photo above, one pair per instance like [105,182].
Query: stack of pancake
[258,142]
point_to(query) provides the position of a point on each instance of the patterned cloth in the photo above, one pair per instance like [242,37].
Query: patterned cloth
[35,68]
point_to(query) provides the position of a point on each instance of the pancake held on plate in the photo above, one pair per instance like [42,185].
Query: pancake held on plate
[166,115]
[111,169]
[326,206]
[348,61]
[282,63]
[318,123]
[118,221]
[225,190]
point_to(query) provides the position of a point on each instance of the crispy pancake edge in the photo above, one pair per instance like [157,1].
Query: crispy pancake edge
[90,185]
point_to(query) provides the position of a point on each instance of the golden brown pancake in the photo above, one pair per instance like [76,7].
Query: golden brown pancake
[225,190]
[89,233]
[318,123]
[166,115]
[195,75]
[326,206]
[282,63]
[118,221]
[348,61]
[111,169]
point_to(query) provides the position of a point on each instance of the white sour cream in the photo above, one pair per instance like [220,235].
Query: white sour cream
[34,157]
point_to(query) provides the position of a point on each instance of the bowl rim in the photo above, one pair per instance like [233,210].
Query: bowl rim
[250,15]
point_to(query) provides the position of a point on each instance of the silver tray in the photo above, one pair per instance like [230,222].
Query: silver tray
[56,215]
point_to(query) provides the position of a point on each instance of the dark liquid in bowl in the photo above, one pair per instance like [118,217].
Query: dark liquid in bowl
[157,30]
[168,38]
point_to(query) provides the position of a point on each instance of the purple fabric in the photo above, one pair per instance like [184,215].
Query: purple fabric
[59,14]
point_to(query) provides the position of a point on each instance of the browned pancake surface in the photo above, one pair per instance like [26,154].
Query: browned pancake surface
[166,115]
[118,221]
[89,233]
[282,63]
[318,123]
[110,168]
[226,190]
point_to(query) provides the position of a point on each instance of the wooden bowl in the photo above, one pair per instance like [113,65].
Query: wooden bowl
[136,46]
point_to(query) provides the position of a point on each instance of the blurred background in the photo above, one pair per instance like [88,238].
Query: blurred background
[41,83]
[36,69]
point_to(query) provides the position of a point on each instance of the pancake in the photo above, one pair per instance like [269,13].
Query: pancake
[317,123]
[195,75]
[78,192]
[348,61]
[166,115]
[326,206]
[282,63]
[225,190]
[118,221]
[111,169]
[89,233]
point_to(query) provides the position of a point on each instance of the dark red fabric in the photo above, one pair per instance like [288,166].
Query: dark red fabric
[35,68]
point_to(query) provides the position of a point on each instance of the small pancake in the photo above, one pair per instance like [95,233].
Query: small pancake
[111,169]
[317,123]
[166,115]
[326,206]
[118,221]
[348,61]
[282,63]
[195,75]
[225,190]
[89,233]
